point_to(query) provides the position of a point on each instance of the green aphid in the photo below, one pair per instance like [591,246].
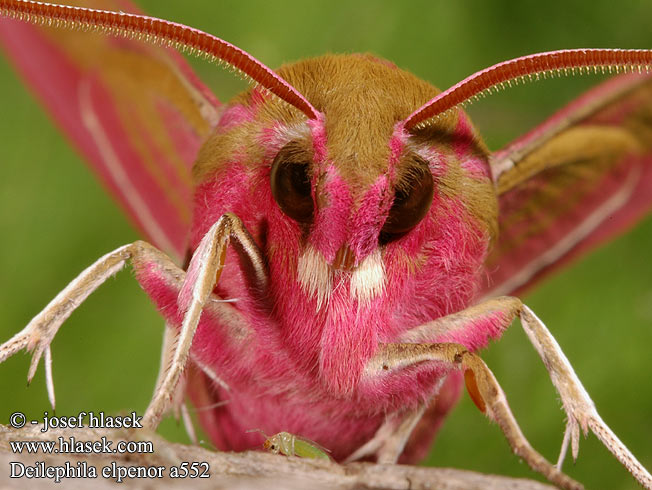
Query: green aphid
[291,445]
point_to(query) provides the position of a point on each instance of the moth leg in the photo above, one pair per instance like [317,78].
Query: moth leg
[390,438]
[579,407]
[177,403]
[202,276]
[564,446]
[167,351]
[40,331]
[482,386]
[195,289]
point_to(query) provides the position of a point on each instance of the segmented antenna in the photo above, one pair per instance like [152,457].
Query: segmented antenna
[160,32]
[530,68]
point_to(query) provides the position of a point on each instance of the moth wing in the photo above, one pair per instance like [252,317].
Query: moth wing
[579,179]
[135,111]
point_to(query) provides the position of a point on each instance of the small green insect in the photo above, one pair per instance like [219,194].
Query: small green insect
[291,445]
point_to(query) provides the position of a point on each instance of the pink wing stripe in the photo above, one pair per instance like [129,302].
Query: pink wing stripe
[83,107]
[633,210]
[178,60]
[622,198]
[617,205]
[126,24]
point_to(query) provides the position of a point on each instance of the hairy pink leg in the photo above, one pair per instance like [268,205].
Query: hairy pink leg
[464,328]
[203,274]
[484,390]
[147,260]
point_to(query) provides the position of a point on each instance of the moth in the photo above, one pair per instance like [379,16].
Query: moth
[344,255]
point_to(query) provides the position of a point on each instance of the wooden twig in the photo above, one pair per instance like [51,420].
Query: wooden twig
[244,471]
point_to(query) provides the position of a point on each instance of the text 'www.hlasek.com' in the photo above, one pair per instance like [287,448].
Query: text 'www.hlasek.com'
[76,448]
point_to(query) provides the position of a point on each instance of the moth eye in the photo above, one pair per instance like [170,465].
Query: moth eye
[291,188]
[412,199]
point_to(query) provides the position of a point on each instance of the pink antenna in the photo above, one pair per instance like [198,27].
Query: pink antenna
[153,30]
[527,68]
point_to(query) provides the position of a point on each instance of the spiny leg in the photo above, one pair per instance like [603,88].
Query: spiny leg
[564,447]
[40,331]
[579,407]
[167,351]
[483,388]
[202,276]
[177,403]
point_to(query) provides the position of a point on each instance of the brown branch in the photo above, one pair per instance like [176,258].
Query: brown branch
[247,470]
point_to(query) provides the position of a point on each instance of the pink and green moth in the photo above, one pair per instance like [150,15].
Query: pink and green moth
[363,235]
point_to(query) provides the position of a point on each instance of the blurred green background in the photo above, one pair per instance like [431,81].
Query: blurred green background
[55,220]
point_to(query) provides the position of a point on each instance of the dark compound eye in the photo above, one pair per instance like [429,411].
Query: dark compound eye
[412,199]
[290,181]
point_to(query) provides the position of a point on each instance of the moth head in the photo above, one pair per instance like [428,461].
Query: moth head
[350,195]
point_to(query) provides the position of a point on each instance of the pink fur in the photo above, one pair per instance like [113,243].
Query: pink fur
[258,97]
[292,363]
[347,333]
[234,116]
[367,222]
[299,366]
[462,142]
[330,227]
[463,137]
[318,132]
[476,167]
